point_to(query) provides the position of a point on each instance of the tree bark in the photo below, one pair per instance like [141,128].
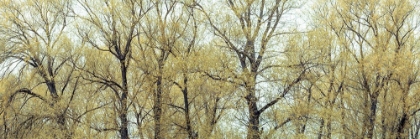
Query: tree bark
[254,116]
[320,129]
[402,133]
[123,111]
[157,108]
[372,116]
[191,133]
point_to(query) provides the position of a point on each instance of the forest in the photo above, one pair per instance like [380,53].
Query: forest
[218,69]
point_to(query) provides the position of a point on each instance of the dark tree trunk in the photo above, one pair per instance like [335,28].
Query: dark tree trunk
[157,108]
[254,117]
[372,116]
[403,122]
[123,111]
[191,133]
[52,89]
[320,129]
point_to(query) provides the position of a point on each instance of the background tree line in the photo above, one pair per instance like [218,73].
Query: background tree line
[209,69]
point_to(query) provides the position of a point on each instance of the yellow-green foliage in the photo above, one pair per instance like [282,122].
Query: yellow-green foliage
[209,69]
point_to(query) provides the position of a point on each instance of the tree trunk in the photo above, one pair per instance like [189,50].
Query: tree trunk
[254,113]
[383,116]
[403,125]
[320,129]
[191,133]
[157,108]
[402,133]
[254,117]
[372,116]
[123,111]
[52,89]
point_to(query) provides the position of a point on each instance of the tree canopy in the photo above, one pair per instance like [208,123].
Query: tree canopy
[209,69]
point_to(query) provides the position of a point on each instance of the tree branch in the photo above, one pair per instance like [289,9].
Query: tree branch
[26,91]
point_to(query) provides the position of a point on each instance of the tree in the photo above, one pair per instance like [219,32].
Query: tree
[116,24]
[249,31]
[38,52]
[376,35]
[186,69]
[160,42]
